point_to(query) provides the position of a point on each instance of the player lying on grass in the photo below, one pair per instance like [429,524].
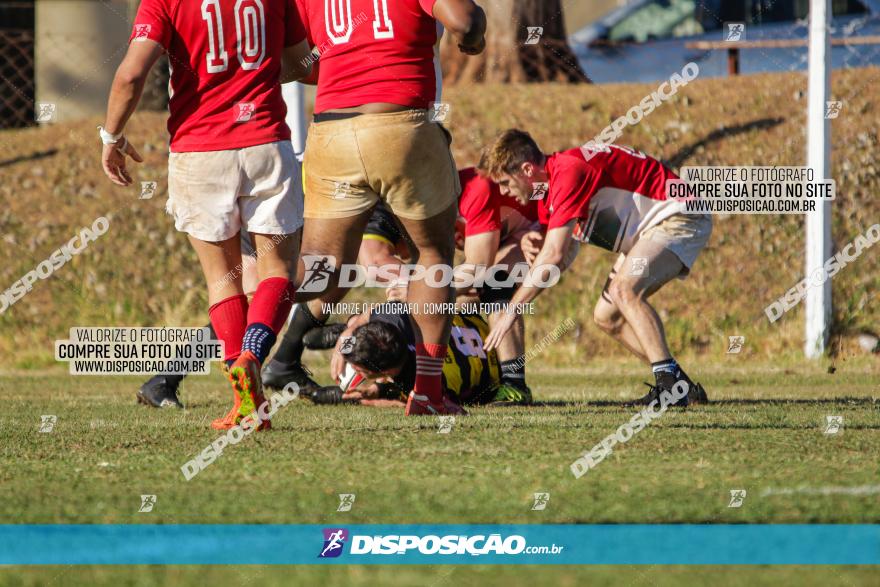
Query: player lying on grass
[231,165]
[615,198]
[488,231]
[382,244]
[375,363]
[372,139]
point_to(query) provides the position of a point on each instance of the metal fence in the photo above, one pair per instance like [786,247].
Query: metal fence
[16,63]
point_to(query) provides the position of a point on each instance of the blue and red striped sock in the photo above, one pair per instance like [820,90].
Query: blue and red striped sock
[266,316]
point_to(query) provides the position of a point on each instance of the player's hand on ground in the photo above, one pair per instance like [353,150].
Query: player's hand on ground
[352,396]
[364,391]
[113,161]
[531,244]
[499,330]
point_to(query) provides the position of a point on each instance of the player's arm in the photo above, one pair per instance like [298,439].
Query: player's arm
[128,83]
[125,93]
[555,252]
[557,242]
[479,251]
[465,21]
[296,62]
[530,244]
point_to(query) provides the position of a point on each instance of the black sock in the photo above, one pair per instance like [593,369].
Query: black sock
[513,372]
[666,367]
[291,348]
[172,380]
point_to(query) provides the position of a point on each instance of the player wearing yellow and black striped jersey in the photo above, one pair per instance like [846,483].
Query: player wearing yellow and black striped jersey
[380,360]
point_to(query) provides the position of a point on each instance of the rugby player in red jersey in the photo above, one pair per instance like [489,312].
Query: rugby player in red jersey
[231,164]
[615,198]
[373,138]
[489,231]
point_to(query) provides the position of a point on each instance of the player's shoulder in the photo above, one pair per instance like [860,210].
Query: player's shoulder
[570,162]
[569,157]
[467,175]
[166,7]
[474,185]
[470,177]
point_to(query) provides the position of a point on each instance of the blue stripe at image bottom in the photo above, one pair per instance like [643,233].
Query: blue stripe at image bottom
[663,544]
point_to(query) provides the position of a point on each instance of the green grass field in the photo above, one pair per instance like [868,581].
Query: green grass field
[763,434]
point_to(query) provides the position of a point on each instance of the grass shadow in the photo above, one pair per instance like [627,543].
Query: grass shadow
[682,154]
[31,157]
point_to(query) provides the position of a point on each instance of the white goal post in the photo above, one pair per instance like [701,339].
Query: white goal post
[818,222]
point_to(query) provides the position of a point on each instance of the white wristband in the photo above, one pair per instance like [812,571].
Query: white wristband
[108,138]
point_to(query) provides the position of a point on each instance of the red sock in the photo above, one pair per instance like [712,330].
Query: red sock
[271,303]
[229,319]
[429,366]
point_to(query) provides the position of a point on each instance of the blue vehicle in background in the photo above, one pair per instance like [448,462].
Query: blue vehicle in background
[647,40]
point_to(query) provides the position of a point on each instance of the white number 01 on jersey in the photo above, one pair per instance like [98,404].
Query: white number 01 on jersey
[339,25]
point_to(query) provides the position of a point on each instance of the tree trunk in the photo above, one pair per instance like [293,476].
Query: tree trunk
[508,57]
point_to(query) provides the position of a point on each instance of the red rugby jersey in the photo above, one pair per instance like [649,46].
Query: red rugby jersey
[373,51]
[614,193]
[482,208]
[479,203]
[225,59]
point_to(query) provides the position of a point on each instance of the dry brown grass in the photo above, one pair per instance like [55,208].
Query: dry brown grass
[143,272]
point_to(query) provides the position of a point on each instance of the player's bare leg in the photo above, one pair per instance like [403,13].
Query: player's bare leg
[248,330]
[219,261]
[629,291]
[610,320]
[250,279]
[286,364]
[276,254]
[433,241]
[377,253]
[266,314]
[338,238]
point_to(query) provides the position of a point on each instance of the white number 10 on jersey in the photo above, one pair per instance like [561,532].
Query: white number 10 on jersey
[250,29]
